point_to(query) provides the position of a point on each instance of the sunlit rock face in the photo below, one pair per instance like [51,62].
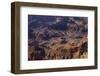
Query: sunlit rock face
[57,37]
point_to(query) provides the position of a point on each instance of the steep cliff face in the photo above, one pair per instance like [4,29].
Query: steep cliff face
[57,37]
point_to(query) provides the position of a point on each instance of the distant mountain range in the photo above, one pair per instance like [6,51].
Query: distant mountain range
[43,28]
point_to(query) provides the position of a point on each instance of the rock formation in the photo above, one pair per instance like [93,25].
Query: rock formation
[51,37]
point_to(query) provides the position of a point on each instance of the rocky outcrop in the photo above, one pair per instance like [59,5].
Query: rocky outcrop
[57,50]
